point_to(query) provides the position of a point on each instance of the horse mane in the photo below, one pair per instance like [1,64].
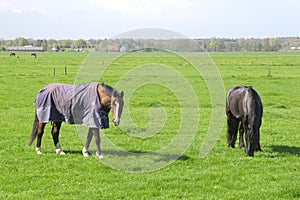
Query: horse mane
[108,89]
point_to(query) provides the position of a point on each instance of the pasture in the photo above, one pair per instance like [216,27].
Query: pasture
[223,174]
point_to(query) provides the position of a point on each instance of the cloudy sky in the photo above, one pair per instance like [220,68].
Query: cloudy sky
[75,19]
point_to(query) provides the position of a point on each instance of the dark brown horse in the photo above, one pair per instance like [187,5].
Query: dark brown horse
[87,104]
[33,54]
[243,105]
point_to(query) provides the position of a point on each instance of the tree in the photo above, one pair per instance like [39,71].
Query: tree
[9,43]
[241,44]
[22,42]
[66,42]
[213,44]
[52,43]
[221,45]
[38,43]
[274,44]
[44,44]
[92,42]
[81,43]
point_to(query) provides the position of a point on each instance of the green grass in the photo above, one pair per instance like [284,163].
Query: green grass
[223,174]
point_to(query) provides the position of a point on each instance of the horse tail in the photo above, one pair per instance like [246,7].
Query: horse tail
[34,129]
[255,111]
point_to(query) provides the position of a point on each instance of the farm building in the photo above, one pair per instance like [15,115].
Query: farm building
[25,48]
[112,48]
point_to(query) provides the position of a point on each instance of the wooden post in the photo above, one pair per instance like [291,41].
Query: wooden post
[65,70]
[270,73]
[54,71]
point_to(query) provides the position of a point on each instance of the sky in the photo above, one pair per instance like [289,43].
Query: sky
[99,19]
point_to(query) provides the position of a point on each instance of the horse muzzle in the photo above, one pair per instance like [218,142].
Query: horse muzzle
[116,122]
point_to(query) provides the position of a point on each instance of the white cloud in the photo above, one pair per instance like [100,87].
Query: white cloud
[146,9]
[8,7]
[16,10]
[3,6]
[132,8]
[37,9]
[19,7]
[195,18]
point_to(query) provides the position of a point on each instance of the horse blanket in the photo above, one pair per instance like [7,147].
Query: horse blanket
[72,104]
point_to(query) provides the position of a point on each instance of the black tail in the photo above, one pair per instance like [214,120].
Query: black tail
[34,130]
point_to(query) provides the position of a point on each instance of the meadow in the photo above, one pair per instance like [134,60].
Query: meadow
[223,174]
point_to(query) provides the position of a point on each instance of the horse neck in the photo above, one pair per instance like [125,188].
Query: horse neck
[105,98]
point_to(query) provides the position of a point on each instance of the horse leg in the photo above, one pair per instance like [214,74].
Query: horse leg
[87,143]
[249,146]
[232,128]
[97,141]
[250,141]
[241,132]
[40,132]
[257,146]
[249,136]
[55,135]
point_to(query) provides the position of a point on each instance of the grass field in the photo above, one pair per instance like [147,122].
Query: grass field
[223,174]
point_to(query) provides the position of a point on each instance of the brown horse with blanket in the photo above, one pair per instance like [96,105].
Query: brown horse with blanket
[244,105]
[87,104]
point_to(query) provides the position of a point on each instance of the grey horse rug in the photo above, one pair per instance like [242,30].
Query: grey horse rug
[72,104]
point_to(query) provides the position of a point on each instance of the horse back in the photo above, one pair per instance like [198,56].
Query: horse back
[243,101]
[234,101]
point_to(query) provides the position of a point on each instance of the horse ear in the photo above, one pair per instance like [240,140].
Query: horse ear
[115,93]
[122,94]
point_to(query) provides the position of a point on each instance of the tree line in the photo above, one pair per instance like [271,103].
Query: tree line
[213,44]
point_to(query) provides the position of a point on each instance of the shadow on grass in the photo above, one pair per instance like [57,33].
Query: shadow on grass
[286,149]
[72,152]
[160,156]
[163,157]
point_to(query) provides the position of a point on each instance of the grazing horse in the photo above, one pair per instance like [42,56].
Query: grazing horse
[244,105]
[12,54]
[87,104]
[33,54]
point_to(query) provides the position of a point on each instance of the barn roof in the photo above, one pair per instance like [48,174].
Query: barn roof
[112,48]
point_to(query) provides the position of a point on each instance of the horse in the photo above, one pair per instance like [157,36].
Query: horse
[12,54]
[33,54]
[87,104]
[244,107]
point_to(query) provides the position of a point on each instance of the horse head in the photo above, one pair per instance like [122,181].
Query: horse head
[117,104]
[112,99]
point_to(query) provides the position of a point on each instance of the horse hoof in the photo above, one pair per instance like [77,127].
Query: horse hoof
[38,151]
[100,156]
[258,149]
[60,152]
[85,154]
